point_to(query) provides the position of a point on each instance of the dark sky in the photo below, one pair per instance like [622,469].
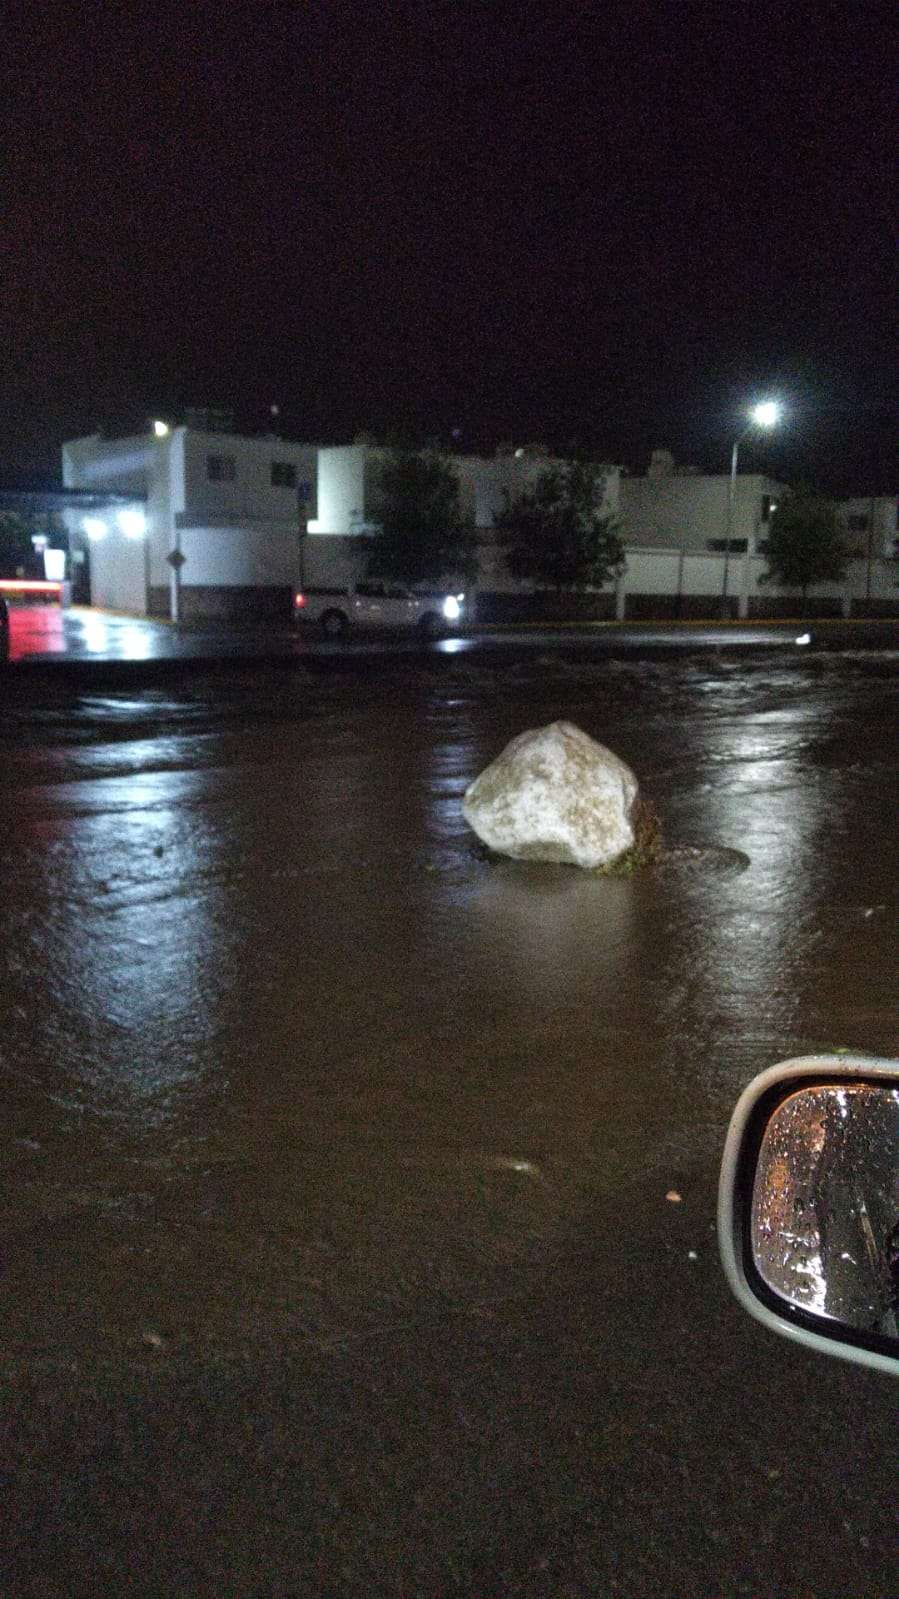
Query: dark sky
[610,223]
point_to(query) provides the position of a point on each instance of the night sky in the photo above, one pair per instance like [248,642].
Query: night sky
[611,224]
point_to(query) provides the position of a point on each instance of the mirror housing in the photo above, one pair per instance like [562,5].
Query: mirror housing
[808,1205]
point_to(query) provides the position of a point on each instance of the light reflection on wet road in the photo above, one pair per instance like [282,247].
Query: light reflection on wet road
[47,633]
[141,870]
[286,1063]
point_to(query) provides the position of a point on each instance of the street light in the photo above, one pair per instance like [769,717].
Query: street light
[764,415]
[132,523]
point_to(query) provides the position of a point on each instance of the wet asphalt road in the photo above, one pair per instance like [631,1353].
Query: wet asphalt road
[336,1253]
[85,640]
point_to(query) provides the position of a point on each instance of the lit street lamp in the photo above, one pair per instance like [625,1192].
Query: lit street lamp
[764,415]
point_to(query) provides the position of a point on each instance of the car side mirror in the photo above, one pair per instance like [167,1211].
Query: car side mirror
[808,1205]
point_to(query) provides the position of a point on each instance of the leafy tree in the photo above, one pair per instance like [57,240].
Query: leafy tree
[17,551]
[555,534]
[804,543]
[423,537]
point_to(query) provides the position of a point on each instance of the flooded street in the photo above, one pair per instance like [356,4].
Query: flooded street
[336,1253]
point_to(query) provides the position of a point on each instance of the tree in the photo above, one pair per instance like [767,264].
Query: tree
[804,543]
[17,551]
[16,548]
[556,536]
[423,537]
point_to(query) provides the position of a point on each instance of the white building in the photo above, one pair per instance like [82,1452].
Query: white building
[214,521]
[349,505]
[685,514]
[220,528]
[870,525]
[679,507]
[683,557]
[348,485]
[681,562]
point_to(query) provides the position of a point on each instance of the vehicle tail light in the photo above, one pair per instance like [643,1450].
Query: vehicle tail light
[299,600]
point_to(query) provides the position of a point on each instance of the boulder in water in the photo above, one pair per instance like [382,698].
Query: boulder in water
[554,794]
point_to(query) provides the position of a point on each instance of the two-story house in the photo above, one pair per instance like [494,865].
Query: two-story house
[219,534]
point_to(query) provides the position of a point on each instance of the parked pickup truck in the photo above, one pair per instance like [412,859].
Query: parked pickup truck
[373,605]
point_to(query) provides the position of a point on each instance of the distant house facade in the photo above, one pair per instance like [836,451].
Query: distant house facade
[201,521]
[682,556]
[220,534]
[349,503]
[683,560]
[348,487]
[870,525]
[224,516]
[487,485]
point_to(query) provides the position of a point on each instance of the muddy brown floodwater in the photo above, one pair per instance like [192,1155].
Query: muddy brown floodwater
[335,1250]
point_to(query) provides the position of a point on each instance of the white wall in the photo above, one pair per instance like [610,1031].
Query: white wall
[347,497]
[880,581]
[877,579]
[110,466]
[118,568]
[880,514]
[341,489]
[330,560]
[165,500]
[488,483]
[258,521]
[251,496]
[690,510]
[141,465]
[478,494]
[669,572]
[118,565]
[229,557]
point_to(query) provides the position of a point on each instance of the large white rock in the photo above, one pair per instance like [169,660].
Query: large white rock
[554,794]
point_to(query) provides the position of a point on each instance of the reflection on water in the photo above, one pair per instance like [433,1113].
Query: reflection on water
[254,965]
[94,633]
[135,642]
[113,914]
[563,937]
[35,630]
[453,646]
[779,961]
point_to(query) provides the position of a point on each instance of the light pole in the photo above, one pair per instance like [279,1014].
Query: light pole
[764,415]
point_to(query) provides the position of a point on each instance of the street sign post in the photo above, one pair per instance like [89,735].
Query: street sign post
[176,559]
[304,491]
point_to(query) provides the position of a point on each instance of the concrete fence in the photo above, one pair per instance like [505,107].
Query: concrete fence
[670,584]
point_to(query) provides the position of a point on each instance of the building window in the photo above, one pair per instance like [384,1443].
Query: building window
[729,546]
[284,475]
[221,468]
[857,524]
